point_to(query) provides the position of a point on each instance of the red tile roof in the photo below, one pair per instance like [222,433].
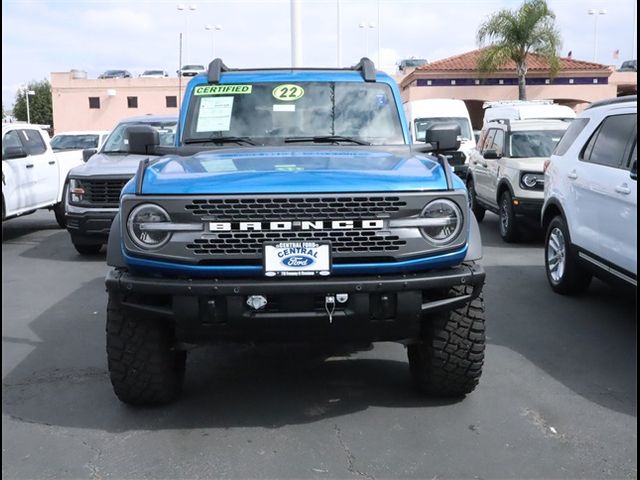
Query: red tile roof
[468,62]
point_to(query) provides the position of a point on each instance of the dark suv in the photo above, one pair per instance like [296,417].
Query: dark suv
[115,74]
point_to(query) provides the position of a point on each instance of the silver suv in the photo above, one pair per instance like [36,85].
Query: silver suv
[506,170]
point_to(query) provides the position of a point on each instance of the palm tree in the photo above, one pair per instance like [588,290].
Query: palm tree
[513,35]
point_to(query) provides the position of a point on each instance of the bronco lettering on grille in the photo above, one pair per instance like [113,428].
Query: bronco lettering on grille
[296,225]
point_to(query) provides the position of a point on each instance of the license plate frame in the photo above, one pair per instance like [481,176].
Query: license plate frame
[296,259]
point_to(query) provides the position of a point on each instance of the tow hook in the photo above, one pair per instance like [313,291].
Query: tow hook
[330,306]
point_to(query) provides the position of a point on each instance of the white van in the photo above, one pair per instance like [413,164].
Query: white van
[526,110]
[422,114]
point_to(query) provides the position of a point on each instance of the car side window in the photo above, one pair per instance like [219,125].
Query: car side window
[32,140]
[575,127]
[11,139]
[608,143]
[498,142]
[633,158]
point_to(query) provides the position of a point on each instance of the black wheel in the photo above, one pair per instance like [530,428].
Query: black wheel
[448,360]
[477,210]
[87,249]
[144,366]
[508,224]
[564,272]
[59,210]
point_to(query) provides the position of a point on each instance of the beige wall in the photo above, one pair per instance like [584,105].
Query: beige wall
[71,100]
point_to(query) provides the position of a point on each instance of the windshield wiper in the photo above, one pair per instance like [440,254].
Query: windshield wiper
[107,152]
[325,139]
[223,139]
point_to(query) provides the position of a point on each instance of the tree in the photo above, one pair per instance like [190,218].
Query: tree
[514,34]
[40,109]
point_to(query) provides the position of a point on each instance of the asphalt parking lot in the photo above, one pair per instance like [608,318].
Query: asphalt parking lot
[557,398]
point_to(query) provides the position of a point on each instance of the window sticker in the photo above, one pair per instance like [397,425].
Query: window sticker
[222,90]
[214,114]
[287,107]
[381,100]
[288,92]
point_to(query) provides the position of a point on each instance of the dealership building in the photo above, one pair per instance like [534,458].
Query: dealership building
[80,103]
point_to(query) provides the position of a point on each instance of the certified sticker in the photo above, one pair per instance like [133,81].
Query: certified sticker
[288,92]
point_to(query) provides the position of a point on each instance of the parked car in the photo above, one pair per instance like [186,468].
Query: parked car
[590,211]
[32,176]
[506,169]
[191,70]
[94,187]
[154,74]
[294,209]
[74,141]
[116,74]
[629,66]
[423,114]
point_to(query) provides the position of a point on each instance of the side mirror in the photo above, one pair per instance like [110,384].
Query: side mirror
[87,153]
[13,152]
[491,155]
[634,170]
[142,139]
[443,138]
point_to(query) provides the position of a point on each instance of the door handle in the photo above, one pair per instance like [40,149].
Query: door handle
[29,165]
[52,162]
[623,189]
[572,175]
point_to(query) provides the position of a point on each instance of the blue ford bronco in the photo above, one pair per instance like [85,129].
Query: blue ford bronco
[293,208]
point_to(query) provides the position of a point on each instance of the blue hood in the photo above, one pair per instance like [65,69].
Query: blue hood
[293,170]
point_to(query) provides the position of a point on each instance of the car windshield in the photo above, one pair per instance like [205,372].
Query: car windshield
[117,143]
[193,67]
[74,142]
[540,143]
[153,72]
[272,113]
[422,124]
[113,72]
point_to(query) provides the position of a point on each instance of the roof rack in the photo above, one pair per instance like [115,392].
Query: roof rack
[613,101]
[365,66]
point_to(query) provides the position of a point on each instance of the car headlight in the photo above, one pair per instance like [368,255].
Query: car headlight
[531,180]
[76,191]
[445,221]
[143,226]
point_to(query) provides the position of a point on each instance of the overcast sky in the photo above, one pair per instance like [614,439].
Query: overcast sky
[43,36]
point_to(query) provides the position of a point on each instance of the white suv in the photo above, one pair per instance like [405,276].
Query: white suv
[590,199]
[506,170]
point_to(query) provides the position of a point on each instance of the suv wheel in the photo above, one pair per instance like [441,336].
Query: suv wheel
[448,359]
[477,210]
[60,210]
[144,366]
[87,248]
[564,272]
[508,223]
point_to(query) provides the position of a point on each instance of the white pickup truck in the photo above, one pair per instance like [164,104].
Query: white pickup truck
[33,177]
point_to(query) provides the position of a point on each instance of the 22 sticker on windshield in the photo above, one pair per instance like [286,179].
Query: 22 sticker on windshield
[288,92]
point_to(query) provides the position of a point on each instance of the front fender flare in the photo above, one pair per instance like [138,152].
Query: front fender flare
[114,249]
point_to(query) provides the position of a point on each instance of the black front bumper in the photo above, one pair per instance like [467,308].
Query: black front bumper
[90,227]
[378,308]
[528,207]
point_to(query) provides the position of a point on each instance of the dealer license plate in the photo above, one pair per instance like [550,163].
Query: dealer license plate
[297,259]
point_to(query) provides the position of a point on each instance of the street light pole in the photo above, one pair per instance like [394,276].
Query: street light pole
[366,27]
[187,37]
[213,29]
[27,93]
[596,13]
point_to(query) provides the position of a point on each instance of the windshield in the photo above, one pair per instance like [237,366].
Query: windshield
[540,143]
[422,124]
[153,72]
[74,142]
[193,67]
[272,113]
[117,143]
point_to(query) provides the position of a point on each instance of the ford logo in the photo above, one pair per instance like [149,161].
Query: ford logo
[298,261]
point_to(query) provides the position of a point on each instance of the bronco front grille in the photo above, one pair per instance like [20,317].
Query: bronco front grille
[342,242]
[316,207]
[102,192]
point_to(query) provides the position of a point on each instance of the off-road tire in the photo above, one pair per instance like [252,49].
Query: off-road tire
[477,210]
[508,224]
[59,209]
[448,360]
[144,366]
[87,248]
[575,278]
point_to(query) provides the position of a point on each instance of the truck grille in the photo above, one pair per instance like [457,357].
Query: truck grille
[103,192]
[318,208]
[342,242]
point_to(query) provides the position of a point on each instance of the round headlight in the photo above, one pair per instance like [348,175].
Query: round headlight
[143,228]
[446,221]
[530,180]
